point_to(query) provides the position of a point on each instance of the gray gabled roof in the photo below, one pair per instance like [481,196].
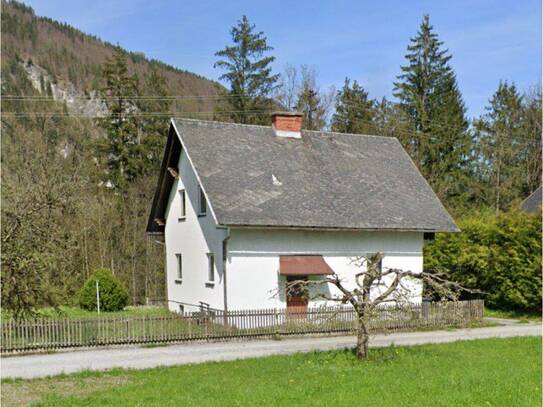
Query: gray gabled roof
[532,204]
[323,180]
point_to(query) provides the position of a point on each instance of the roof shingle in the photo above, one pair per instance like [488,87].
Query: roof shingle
[323,180]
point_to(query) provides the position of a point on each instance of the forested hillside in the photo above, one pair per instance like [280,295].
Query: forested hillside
[70,55]
[61,216]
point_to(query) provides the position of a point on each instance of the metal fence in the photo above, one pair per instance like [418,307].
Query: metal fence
[49,333]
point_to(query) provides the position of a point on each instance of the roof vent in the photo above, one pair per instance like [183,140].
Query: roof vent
[287,124]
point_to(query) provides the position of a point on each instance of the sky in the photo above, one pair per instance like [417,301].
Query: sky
[490,41]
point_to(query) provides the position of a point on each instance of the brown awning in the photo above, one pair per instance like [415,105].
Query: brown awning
[303,266]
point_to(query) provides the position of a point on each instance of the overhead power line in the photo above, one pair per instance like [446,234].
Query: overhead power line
[412,135]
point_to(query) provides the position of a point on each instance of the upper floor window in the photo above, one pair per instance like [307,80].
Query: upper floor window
[202,202]
[182,207]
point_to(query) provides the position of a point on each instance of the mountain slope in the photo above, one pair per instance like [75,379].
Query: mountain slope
[72,57]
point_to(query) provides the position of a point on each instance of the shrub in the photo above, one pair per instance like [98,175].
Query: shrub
[113,294]
[499,254]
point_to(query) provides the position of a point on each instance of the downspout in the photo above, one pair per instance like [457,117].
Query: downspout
[224,260]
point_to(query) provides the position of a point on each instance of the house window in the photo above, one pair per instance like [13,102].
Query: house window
[179,268]
[202,202]
[181,308]
[210,268]
[182,212]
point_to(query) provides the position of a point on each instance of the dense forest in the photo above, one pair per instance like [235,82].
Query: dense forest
[78,177]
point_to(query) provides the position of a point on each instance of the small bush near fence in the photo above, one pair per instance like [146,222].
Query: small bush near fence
[113,294]
[21,335]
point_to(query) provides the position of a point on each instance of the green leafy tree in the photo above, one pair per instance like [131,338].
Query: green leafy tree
[354,110]
[249,74]
[120,150]
[113,294]
[428,93]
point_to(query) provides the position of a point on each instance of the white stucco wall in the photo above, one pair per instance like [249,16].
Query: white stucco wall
[252,267]
[193,238]
[253,259]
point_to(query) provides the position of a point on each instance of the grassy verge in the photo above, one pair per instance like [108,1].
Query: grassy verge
[492,372]
[78,313]
[521,316]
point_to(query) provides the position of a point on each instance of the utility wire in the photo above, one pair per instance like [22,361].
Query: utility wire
[414,135]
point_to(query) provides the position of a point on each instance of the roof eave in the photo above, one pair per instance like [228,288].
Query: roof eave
[346,229]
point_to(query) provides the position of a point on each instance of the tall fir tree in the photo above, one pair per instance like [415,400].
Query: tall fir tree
[249,74]
[153,128]
[501,142]
[354,110]
[428,93]
[531,145]
[120,150]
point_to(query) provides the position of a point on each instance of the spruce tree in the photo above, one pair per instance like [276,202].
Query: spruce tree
[248,73]
[501,138]
[153,127]
[120,150]
[354,111]
[428,93]
[531,144]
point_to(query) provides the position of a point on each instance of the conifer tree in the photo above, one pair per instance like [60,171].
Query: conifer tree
[120,150]
[248,73]
[153,127]
[501,138]
[531,144]
[428,93]
[354,111]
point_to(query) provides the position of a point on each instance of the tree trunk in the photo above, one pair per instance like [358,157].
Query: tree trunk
[362,339]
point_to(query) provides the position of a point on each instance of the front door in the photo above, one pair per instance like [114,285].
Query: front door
[297,297]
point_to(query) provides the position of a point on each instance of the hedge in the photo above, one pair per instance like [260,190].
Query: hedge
[499,254]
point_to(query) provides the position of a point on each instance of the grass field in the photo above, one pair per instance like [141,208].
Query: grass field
[494,372]
[78,313]
[521,316]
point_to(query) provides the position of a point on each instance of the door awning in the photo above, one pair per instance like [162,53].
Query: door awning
[313,265]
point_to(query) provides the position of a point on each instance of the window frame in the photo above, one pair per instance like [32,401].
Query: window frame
[201,200]
[179,269]
[210,270]
[183,204]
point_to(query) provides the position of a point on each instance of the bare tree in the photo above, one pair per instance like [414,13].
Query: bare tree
[376,286]
[286,93]
[299,90]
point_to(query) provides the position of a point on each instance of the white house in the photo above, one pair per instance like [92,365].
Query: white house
[245,208]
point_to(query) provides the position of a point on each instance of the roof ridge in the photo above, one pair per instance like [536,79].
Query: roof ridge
[327,133]
[186,119]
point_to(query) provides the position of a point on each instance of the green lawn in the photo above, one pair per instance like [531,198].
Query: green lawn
[494,372]
[522,316]
[78,313]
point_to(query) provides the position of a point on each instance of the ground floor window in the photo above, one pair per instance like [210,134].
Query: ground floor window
[210,267]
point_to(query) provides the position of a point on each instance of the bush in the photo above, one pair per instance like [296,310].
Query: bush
[113,294]
[499,254]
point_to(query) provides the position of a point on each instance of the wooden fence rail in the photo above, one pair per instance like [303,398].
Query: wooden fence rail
[49,333]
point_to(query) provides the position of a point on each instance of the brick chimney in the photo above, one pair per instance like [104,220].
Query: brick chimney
[287,124]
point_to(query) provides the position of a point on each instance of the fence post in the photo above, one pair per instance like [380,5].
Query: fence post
[276,321]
